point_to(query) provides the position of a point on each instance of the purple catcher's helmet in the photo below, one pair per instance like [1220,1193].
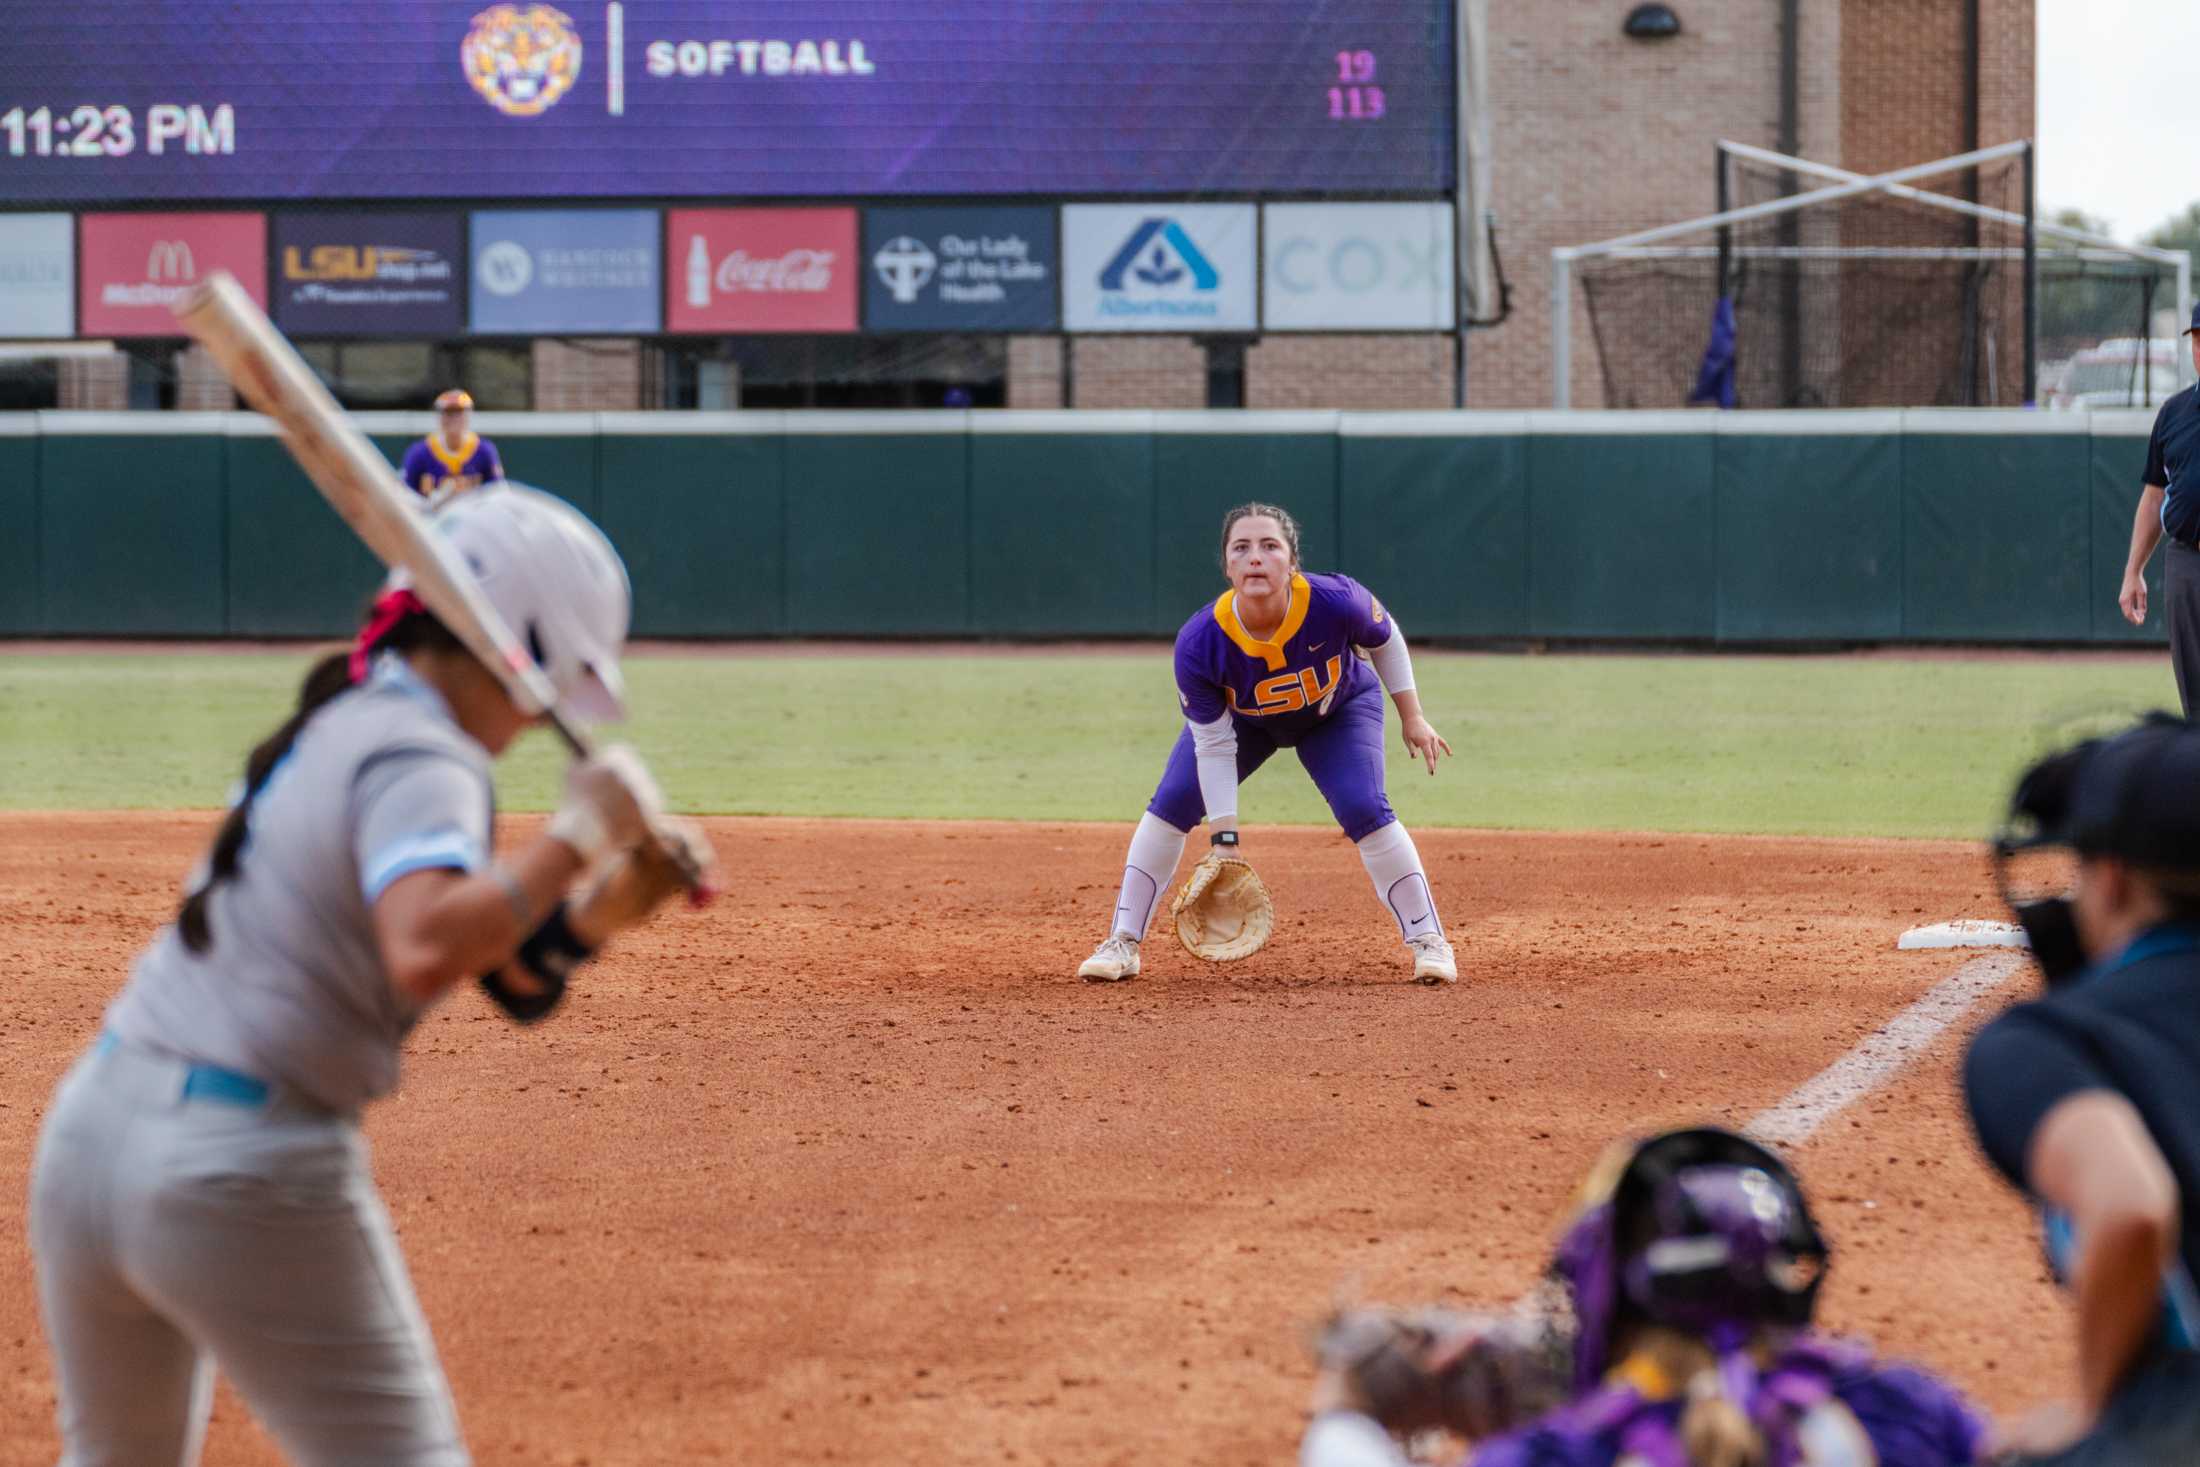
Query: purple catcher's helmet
[1699,1230]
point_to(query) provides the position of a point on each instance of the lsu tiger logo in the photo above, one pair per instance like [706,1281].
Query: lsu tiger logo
[1288,692]
[521,58]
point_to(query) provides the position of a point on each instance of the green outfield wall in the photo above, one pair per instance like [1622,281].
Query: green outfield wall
[1739,528]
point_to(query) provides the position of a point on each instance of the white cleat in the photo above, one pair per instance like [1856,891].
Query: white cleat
[1112,961]
[1432,959]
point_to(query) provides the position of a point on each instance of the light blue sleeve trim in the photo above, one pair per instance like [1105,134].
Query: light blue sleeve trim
[447,848]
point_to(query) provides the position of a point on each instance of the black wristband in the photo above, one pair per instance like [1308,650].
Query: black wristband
[1224,838]
[550,954]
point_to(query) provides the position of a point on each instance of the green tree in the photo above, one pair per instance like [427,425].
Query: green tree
[2181,232]
[2084,304]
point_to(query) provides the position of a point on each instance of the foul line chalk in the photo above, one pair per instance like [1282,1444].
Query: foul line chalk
[1859,1072]
[1850,1078]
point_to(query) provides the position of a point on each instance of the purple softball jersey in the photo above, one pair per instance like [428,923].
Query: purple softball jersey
[1305,691]
[431,469]
[1822,1404]
[1288,686]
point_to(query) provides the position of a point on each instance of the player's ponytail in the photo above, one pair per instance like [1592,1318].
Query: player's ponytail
[328,677]
[1715,1433]
[1715,1429]
[396,623]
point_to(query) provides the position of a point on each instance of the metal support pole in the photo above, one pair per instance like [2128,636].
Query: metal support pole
[2184,311]
[2145,362]
[2031,277]
[1790,227]
[1562,329]
[1724,193]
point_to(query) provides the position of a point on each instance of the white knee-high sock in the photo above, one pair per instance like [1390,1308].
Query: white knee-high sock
[1394,865]
[1156,847]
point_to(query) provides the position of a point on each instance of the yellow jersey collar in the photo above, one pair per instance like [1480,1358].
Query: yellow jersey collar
[1270,652]
[453,462]
[1649,1379]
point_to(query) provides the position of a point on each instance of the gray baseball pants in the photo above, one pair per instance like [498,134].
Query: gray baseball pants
[2181,610]
[173,1232]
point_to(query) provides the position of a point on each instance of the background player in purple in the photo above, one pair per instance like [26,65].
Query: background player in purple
[1277,662]
[1677,1335]
[454,458]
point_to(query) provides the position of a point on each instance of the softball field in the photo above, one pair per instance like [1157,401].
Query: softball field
[847,1168]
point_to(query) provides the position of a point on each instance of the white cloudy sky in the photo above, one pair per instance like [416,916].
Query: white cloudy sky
[2119,109]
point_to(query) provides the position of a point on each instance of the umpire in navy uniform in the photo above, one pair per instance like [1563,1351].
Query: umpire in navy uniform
[2088,1098]
[2169,505]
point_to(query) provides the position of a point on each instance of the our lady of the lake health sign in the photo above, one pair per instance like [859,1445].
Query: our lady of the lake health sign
[959,269]
[705,99]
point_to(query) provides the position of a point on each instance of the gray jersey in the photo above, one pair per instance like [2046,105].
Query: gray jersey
[291,989]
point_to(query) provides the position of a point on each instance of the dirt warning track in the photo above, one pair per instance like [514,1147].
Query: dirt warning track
[849,1168]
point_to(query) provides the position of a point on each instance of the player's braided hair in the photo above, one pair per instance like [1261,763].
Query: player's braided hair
[324,680]
[1277,513]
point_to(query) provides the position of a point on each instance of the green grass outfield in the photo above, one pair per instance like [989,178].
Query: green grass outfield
[1797,745]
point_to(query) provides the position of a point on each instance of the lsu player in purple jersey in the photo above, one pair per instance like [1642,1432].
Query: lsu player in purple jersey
[1283,659]
[454,458]
[1676,1330]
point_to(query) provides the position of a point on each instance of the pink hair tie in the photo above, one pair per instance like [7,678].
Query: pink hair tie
[390,608]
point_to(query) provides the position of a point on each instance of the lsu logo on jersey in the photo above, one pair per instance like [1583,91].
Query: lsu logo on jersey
[521,58]
[1288,692]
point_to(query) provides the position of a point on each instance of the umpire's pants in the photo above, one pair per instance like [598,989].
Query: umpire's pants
[172,1232]
[2181,595]
[2154,1421]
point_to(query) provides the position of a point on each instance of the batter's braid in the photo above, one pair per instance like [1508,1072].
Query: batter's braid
[328,677]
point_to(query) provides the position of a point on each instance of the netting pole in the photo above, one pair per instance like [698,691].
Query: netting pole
[1791,225]
[2031,277]
[1562,329]
[1724,192]
[2184,309]
[2145,358]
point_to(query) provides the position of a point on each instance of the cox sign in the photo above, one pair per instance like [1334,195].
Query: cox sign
[1357,267]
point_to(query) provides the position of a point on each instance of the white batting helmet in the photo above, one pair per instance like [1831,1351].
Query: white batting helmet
[558,584]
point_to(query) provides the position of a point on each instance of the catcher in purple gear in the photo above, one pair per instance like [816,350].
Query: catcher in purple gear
[1684,1290]
[1284,659]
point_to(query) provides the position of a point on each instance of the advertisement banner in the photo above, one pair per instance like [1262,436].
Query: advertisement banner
[136,266]
[1357,267]
[145,100]
[1158,267]
[37,264]
[362,274]
[743,270]
[975,269]
[572,271]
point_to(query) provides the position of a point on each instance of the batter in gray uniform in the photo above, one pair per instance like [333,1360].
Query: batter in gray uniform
[201,1193]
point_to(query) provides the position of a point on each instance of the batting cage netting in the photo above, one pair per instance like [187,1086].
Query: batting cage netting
[1877,299]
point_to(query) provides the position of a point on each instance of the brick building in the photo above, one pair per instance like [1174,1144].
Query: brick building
[1595,134]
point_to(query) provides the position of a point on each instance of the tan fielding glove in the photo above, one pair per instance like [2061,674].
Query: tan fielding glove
[1223,912]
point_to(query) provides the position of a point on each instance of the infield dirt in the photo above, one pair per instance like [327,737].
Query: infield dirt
[847,1168]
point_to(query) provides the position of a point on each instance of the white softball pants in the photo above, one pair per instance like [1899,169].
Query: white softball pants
[175,1233]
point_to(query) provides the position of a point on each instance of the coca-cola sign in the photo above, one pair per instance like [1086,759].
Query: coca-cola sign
[743,270]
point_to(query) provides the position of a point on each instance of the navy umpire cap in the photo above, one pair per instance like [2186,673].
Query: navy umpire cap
[2195,326]
[2133,795]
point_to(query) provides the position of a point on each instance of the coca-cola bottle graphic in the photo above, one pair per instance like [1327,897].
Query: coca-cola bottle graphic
[699,273]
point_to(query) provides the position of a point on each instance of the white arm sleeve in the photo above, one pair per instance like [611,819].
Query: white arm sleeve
[1392,663]
[1215,745]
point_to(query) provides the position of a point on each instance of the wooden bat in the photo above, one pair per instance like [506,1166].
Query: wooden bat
[354,478]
